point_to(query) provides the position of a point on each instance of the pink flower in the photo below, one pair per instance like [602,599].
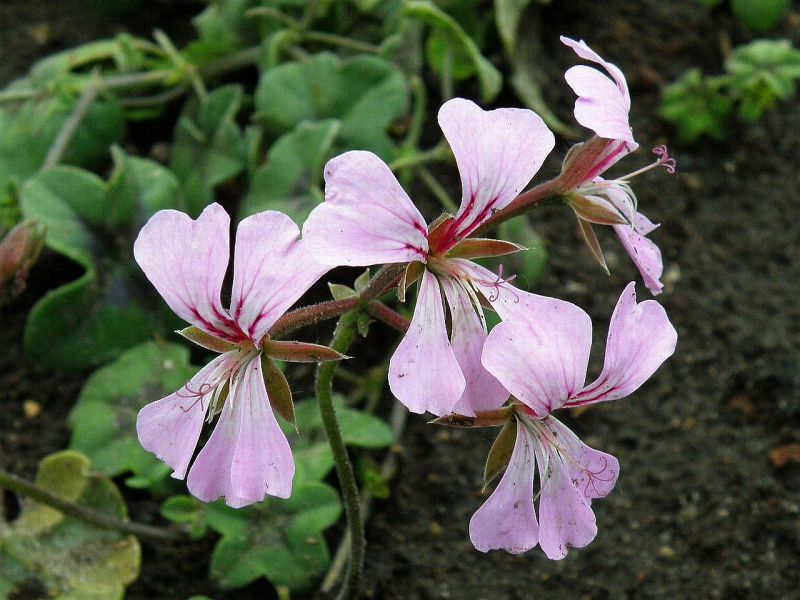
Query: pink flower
[603,105]
[247,455]
[368,219]
[543,363]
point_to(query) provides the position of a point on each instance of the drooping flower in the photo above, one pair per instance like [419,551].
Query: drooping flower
[603,105]
[543,364]
[247,455]
[368,219]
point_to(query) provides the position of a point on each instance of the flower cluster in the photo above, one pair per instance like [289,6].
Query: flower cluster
[448,363]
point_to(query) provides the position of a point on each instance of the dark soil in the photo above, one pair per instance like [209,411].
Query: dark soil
[699,510]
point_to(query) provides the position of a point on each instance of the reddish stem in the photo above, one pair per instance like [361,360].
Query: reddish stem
[522,203]
[391,317]
[310,315]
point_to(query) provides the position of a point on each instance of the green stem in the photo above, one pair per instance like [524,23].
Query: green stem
[82,513]
[435,154]
[59,146]
[342,338]
[436,189]
[338,40]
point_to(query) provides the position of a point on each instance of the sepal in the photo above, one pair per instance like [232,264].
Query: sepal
[483,248]
[595,212]
[292,351]
[594,244]
[411,274]
[206,340]
[487,418]
[278,391]
[500,453]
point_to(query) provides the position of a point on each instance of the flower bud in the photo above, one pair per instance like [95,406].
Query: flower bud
[19,250]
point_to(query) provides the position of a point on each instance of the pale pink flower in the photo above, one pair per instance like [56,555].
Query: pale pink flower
[247,455]
[603,105]
[542,363]
[368,219]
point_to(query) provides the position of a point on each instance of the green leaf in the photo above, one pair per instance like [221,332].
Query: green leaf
[760,15]
[64,558]
[103,421]
[93,318]
[209,147]
[489,77]
[696,106]
[289,179]
[761,73]
[364,93]
[500,453]
[358,428]
[280,540]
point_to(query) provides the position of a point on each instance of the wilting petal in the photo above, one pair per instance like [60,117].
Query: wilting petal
[593,472]
[483,391]
[272,268]
[423,372]
[507,519]
[602,103]
[565,517]
[498,152]
[366,218]
[643,252]
[539,361]
[170,427]
[186,261]
[247,455]
[640,338]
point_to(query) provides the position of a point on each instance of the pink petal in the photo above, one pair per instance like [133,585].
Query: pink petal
[511,303]
[498,152]
[542,361]
[272,269]
[645,255]
[483,391]
[603,103]
[594,473]
[186,261]
[640,338]
[170,427]
[366,218]
[424,373]
[565,517]
[247,455]
[507,519]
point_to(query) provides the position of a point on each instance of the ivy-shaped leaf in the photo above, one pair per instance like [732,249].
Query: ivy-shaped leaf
[364,93]
[62,558]
[103,421]
[94,318]
[278,539]
[209,147]
[289,179]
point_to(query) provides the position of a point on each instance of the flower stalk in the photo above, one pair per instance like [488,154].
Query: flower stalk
[23,487]
[343,336]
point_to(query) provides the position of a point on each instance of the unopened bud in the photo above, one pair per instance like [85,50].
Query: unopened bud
[18,252]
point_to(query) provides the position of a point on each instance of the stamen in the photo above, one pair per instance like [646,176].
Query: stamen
[664,160]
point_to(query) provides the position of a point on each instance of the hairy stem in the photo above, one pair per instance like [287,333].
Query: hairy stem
[521,204]
[342,338]
[392,318]
[70,509]
[311,315]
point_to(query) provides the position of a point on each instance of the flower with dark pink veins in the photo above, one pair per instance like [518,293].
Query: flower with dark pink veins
[603,105]
[247,455]
[368,219]
[543,363]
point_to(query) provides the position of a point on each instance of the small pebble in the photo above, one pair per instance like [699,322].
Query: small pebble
[31,408]
[666,552]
